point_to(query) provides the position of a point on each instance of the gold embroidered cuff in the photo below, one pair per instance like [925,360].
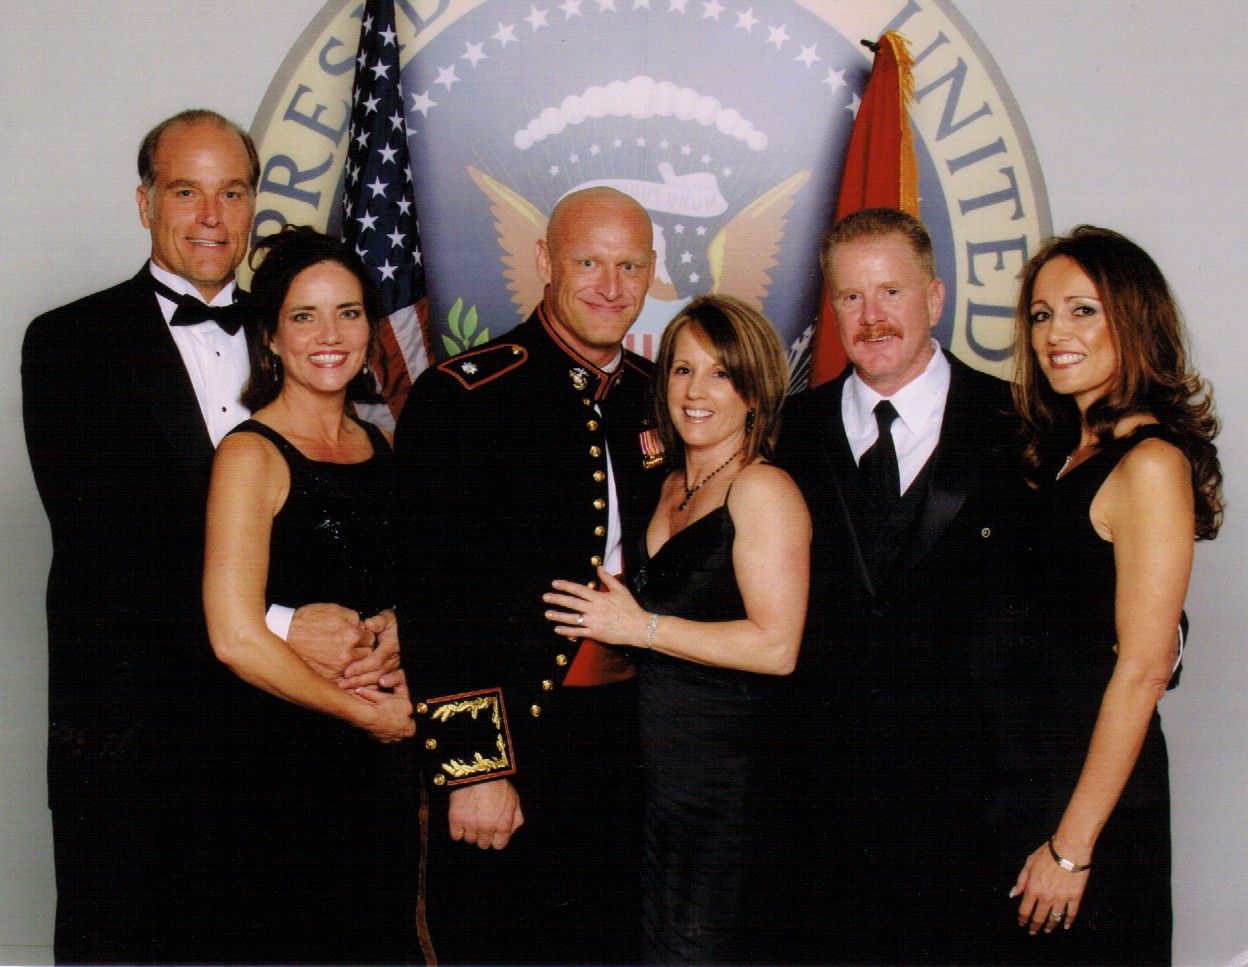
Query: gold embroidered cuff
[471,738]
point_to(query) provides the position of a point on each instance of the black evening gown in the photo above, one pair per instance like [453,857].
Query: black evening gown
[717,806]
[326,835]
[1046,695]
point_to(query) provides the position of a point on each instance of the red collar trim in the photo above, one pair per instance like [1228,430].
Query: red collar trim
[606,380]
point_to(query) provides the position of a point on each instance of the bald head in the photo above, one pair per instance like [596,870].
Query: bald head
[597,261]
[599,202]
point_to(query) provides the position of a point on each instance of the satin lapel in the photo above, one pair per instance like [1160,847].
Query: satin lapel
[834,449]
[162,381]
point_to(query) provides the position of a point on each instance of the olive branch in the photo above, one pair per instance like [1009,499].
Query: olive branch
[463,326]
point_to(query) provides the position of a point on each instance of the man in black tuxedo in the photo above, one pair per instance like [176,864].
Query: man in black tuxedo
[905,462]
[125,395]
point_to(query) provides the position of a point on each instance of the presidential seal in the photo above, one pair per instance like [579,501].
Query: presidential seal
[728,121]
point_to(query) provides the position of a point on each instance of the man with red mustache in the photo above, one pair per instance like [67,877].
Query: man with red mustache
[905,463]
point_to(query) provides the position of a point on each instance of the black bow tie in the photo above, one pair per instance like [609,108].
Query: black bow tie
[190,310]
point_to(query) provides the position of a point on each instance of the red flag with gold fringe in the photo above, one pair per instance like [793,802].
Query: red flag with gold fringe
[880,171]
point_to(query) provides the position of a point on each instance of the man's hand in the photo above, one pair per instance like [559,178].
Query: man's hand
[486,813]
[379,667]
[391,718]
[330,638]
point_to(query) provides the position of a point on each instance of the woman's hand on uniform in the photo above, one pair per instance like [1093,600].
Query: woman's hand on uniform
[611,615]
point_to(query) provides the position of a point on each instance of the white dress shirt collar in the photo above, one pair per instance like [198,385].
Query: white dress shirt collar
[182,286]
[920,406]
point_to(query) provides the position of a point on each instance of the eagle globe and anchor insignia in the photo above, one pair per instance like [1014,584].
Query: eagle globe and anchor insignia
[727,121]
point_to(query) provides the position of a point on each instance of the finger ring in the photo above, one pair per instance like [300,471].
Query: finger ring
[580,619]
[1054,915]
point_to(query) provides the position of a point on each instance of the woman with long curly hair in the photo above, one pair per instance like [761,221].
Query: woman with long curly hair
[1119,432]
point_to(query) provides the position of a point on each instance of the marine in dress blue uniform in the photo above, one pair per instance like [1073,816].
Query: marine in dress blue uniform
[516,456]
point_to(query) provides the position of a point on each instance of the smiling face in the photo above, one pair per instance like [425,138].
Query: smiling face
[885,304]
[322,335]
[1070,333]
[705,408]
[596,261]
[200,204]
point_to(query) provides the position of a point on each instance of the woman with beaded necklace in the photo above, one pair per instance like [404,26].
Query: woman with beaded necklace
[717,607]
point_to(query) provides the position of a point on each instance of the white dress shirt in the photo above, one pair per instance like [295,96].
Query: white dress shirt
[920,406]
[215,361]
[218,367]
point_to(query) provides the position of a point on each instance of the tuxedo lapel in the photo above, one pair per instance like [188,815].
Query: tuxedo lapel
[952,476]
[161,379]
[837,459]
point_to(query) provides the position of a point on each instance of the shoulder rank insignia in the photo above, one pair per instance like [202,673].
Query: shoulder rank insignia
[480,366]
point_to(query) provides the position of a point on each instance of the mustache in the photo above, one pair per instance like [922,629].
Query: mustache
[876,332]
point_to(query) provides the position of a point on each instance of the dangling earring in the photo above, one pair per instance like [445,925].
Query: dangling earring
[749,422]
[365,370]
[276,367]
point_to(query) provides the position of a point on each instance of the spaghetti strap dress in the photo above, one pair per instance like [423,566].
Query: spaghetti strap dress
[1045,695]
[715,795]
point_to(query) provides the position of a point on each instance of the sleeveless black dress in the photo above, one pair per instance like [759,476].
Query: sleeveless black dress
[715,806]
[327,823]
[1046,695]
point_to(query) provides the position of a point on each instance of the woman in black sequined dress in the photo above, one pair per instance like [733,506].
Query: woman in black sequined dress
[301,510]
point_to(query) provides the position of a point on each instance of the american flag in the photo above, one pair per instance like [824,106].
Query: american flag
[379,210]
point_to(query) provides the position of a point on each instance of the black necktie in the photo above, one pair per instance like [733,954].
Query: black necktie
[878,465]
[190,310]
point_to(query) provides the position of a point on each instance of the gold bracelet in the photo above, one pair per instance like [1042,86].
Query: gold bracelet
[1068,865]
[651,627]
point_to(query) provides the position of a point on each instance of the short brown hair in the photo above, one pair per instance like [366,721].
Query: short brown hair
[872,223]
[742,339]
[151,143]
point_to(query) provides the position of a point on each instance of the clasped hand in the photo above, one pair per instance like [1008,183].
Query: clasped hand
[340,646]
[611,616]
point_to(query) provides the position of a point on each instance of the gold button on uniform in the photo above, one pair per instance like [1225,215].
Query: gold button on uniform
[431,743]
[595,560]
[561,660]
[592,585]
[439,780]
[535,710]
[595,451]
[599,476]
[591,425]
[599,504]
[600,531]
[422,709]
[547,685]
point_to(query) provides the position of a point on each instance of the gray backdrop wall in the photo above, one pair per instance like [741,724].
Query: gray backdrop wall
[1137,112]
